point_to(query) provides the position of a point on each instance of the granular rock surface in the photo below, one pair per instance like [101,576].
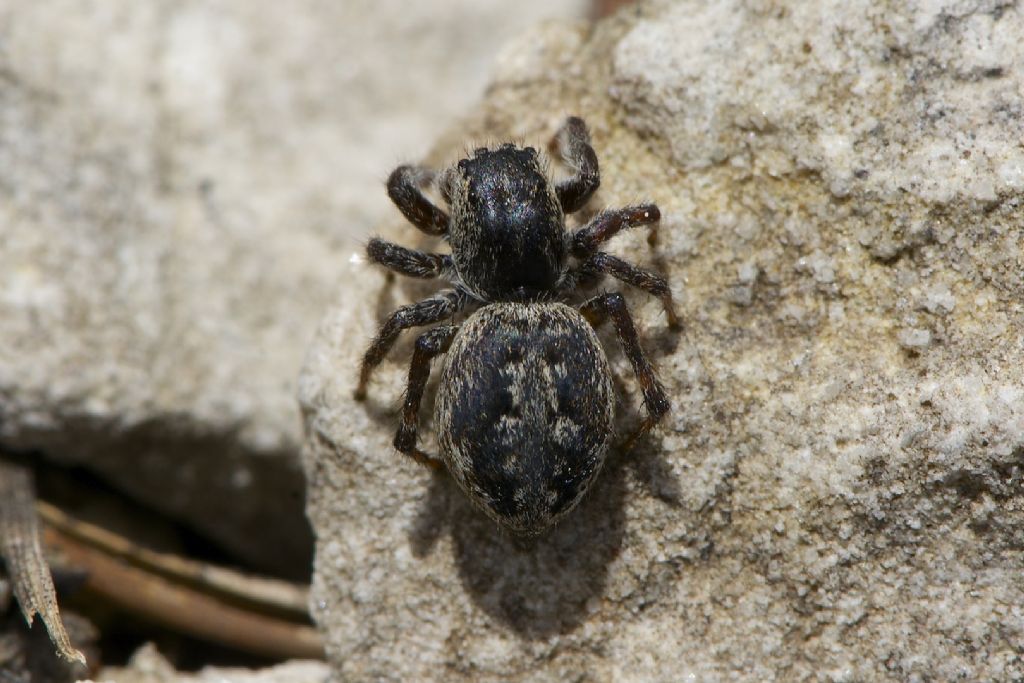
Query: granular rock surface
[837,493]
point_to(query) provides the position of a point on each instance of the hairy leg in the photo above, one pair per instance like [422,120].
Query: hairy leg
[405,187]
[605,225]
[442,305]
[613,306]
[429,344]
[572,141]
[652,283]
[409,261]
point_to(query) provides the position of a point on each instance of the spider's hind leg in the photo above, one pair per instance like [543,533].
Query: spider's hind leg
[613,306]
[429,344]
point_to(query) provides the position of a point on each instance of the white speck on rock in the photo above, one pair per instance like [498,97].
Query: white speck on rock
[915,338]
[939,299]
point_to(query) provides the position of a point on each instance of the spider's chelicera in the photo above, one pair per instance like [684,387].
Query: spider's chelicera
[525,405]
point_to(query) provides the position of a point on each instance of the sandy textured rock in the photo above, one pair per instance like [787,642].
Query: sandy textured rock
[149,666]
[178,184]
[837,495]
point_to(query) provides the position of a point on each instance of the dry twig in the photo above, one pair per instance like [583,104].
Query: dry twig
[253,592]
[208,602]
[28,570]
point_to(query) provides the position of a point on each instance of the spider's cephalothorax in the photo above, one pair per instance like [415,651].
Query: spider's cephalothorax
[507,229]
[524,410]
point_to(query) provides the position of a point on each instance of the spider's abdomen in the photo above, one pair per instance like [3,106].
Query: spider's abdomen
[524,412]
[508,229]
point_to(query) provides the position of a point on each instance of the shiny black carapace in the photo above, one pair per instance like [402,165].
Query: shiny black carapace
[525,405]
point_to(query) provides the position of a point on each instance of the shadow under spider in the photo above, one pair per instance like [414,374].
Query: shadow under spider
[542,587]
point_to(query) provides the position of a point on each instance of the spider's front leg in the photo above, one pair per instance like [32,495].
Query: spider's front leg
[405,187]
[572,141]
[440,306]
[429,344]
[613,306]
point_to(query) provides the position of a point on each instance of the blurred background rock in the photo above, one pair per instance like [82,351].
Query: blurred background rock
[179,182]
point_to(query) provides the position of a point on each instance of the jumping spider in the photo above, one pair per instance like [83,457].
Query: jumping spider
[525,405]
